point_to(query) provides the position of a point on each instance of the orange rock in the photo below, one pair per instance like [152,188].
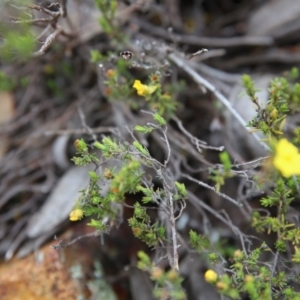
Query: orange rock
[29,279]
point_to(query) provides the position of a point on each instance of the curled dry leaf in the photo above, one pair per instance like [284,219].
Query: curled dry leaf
[59,203]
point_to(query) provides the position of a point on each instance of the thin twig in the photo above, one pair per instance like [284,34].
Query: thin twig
[217,74]
[206,41]
[166,140]
[275,56]
[201,81]
[257,162]
[196,201]
[174,262]
[51,13]
[63,8]
[32,21]
[274,265]
[198,143]
[235,202]
[59,245]
[85,126]
[22,230]
[182,207]
[43,32]
[48,42]
[102,129]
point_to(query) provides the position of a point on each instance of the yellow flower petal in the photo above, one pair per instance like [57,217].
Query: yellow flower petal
[139,87]
[151,89]
[287,158]
[144,90]
[76,214]
[284,147]
[210,276]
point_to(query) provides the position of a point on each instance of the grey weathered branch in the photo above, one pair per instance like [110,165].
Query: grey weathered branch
[203,82]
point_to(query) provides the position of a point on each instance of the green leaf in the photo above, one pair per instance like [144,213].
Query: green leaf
[80,145]
[99,146]
[140,148]
[18,45]
[225,160]
[95,56]
[143,129]
[93,176]
[105,25]
[159,119]
[97,224]
[181,189]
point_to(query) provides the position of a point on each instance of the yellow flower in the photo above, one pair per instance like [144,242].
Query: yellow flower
[238,254]
[210,276]
[222,286]
[157,273]
[249,278]
[144,90]
[287,158]
[110,73]
[76,214]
